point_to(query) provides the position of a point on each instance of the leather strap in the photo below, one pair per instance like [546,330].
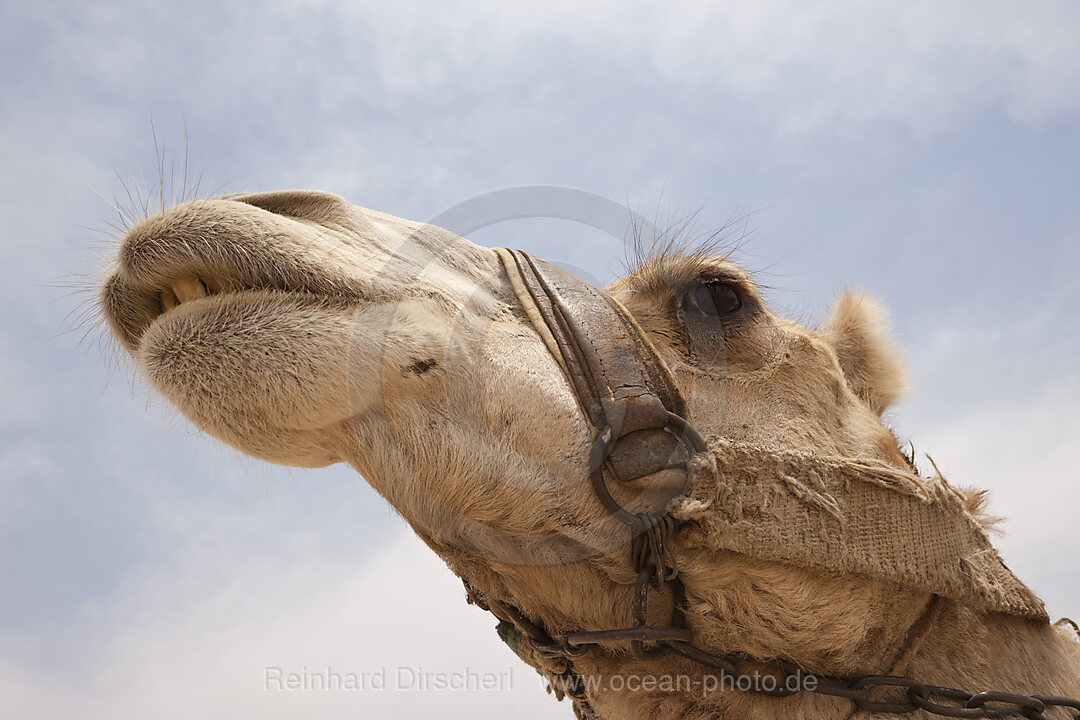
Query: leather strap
[625,391]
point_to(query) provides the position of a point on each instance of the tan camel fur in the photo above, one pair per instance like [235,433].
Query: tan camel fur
[305,330]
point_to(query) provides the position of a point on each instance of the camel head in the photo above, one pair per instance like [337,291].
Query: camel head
[304,330]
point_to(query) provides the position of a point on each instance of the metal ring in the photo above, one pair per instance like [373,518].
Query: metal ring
[686,431]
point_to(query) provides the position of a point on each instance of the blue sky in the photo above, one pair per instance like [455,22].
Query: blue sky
[927,152]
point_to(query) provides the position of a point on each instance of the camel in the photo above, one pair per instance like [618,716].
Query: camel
[305,330]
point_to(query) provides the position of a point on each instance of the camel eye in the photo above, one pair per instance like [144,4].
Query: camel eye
[710,301]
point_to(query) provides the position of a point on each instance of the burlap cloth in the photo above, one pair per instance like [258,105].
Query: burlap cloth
[849,516]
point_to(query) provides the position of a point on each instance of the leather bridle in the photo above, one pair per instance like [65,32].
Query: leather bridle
[638,419]
[639,427]
[637,416]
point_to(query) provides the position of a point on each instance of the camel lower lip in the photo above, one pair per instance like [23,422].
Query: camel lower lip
[188,308]
[187,304]
[215,302]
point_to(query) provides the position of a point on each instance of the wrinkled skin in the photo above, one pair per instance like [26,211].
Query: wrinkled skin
[304,330]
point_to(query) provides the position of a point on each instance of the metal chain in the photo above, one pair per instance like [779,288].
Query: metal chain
[790,679]
[651,533]
[651,557]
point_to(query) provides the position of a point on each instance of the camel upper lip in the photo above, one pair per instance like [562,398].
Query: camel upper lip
[206,248]
[132,309]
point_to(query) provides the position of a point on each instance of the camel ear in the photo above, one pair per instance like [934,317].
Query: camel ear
[857,329]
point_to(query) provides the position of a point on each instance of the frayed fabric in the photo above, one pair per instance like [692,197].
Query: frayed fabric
[846,515]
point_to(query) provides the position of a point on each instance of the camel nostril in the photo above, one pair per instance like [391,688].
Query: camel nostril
[318,207]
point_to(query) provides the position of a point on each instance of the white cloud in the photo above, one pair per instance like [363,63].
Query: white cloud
[196,639]
[1023,451]
[399,103]
[807,65]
